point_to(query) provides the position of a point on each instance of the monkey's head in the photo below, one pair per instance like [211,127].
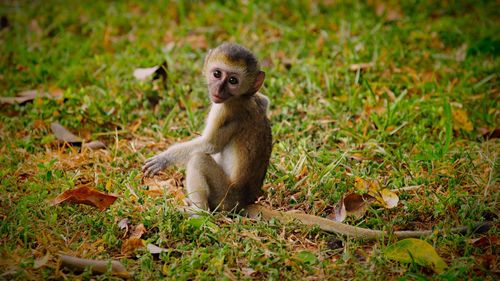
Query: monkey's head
[232,71]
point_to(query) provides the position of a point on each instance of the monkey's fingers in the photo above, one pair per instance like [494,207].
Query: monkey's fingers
[151,168]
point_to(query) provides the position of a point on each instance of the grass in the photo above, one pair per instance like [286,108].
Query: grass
[402,122]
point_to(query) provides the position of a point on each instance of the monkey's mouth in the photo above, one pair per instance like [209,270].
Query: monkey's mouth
[219,98]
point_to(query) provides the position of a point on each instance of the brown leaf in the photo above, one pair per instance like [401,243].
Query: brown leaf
[85,195]
[156,188]
[489,133]
[94,145]
[131,244]
[40,262]
[64,135]
[96,266]
[24,97]
[134,241]
[153,249]
[361,66]
[356,204]
[139,230]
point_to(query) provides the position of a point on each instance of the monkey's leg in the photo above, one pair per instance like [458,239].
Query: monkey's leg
[204,179]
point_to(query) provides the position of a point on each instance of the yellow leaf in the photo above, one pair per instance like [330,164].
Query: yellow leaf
[418,251]
[389,198]
[461,120]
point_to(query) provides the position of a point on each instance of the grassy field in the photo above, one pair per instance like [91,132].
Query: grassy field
[423,113]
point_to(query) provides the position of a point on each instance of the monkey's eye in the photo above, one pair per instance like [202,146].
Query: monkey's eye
[217,74]
[233,80]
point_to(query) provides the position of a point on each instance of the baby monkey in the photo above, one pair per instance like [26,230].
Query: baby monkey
[226,165]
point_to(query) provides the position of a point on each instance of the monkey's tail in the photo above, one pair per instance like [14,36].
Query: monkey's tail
[256,210]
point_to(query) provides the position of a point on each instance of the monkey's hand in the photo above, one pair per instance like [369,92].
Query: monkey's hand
[155,164]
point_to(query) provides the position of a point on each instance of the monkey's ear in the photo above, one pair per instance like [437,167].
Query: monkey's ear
[259,80]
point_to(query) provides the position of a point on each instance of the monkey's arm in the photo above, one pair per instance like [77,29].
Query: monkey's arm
[212,141]
[255,210]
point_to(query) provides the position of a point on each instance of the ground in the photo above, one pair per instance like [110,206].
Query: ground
[394,94]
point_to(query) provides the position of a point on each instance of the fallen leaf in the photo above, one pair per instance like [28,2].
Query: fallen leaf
[24,97]
[247,271]
[124,224]
[155,72]
[156,188]
[415,250]
[139,230]
[339,212]
[131,244]
[389,198]
[134,241]
[371,187]
[94,145]
[489,133]
[64,135]
[356,204]
[85,195]
[40,262]
[461,120]
[361,66]
[385,197]
[96,266]
[154,250]
[145,73]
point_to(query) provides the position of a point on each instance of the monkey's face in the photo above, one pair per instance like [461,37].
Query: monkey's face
[225,82]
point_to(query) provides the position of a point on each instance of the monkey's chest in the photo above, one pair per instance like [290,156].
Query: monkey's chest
[228,159]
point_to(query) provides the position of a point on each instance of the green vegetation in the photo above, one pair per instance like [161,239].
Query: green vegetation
[417,116]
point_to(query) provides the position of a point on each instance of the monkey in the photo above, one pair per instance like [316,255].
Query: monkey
[227,164]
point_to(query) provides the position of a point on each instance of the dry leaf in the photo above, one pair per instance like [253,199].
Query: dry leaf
[389,198]
[145,73]
[371,187]
[156,188]
[361,66]
[461,120]
[24,97]
[155,72]
[356,204]
[131,244]
[385,197]
[139,230]
[40,262]
[153,249]
[489,133]
[134,241]
[64,135]
[86,195]
[339,212]
[124,224]
[94,145]
[248,271]
[96,266]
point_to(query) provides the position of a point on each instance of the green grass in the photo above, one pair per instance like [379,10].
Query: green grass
[395,122]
